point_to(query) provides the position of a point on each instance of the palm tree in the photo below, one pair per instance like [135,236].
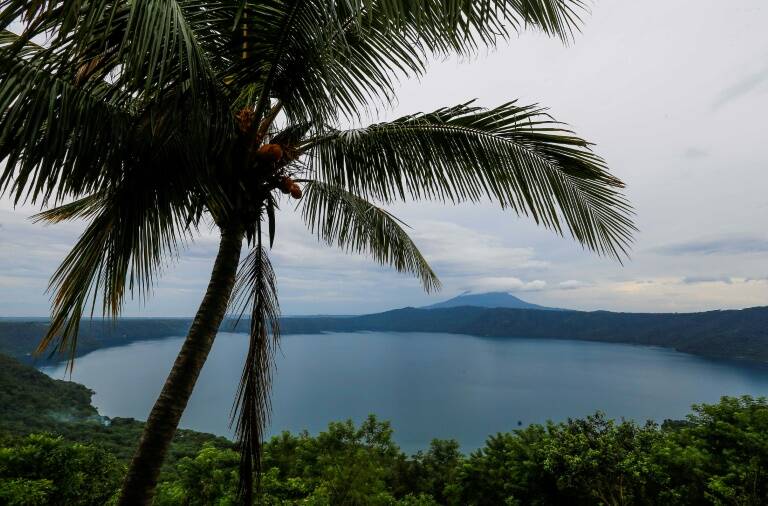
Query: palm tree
[150,118]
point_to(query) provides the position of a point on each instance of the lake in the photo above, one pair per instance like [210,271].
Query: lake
[428,385]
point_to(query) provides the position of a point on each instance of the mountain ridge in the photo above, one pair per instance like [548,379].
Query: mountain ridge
[733,334]
[488,300]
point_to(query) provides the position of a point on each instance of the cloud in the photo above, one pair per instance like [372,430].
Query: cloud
[741,88]
[695,153]
[670,294]
[721,246]
[696,280]
[505,284]
[454,249]
[573,284]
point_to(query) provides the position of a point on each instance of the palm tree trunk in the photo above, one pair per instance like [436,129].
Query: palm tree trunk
[139,484]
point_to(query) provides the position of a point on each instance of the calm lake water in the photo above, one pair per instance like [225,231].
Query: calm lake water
[427,385]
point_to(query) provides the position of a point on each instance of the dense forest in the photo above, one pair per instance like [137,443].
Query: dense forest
[55,449]
[735,334]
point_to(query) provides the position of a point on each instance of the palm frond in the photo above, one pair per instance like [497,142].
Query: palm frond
[343,219]
[161,47]
[132,232]
[255,288]
[515,155]
[463,25]
[352,61]
[65,127]
[153,44]
[272,33]
[323,59]
[49,128]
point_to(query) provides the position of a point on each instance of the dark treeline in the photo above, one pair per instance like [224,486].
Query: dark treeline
[19,337]
[741,334]
[56,450]
[737,334]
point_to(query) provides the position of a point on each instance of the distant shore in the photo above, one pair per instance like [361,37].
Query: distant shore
[732,334]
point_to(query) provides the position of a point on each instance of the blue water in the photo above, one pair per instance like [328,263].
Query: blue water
[427,385]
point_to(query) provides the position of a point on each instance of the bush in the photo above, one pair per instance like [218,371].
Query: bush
[42,469]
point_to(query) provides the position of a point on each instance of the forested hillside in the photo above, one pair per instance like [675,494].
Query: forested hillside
[736,334]
[739,334]
[19,337]
[31,402]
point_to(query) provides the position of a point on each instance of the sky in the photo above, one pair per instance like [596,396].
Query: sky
[673,94]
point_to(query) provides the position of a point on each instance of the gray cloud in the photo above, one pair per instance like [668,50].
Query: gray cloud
[696,280]
[743,87]
[573,284]
[506,284]
[721,246]
[695,153]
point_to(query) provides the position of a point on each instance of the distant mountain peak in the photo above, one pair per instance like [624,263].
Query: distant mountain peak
[488,299]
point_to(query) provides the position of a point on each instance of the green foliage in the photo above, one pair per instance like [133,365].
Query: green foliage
[431,473]
[344,465]
[47,470]
[33,402]
[24,492]
[589,461]
[721,455]
[210,478]
[718,456]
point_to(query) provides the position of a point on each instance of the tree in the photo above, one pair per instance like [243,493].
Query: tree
[42,469]
[150,118]
[582,461]
[720,456]
[209,478]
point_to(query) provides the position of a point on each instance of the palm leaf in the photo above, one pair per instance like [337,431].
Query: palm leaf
[255,289]
[515,155]
[65,128]
[133,230]
[54,129]
[322,59]
[343,219]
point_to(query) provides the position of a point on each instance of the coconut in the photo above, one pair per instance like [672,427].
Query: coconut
[271,152]
[295,191]
[285,185]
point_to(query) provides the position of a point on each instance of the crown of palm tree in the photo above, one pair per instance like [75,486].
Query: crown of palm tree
[146,117]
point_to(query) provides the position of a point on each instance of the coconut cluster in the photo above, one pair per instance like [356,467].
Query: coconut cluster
[288,185]
[270,152]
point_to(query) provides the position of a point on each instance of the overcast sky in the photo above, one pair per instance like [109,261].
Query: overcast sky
[674,94]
